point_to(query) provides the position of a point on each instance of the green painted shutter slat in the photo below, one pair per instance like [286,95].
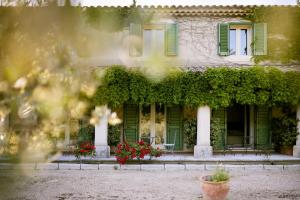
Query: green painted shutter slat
[263,135]
[136,35]
[260,39]
[174,124]
[221,115]
[223,31]
[171,39]
[131,122]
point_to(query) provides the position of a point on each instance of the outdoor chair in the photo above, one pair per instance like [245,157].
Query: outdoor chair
[169,147]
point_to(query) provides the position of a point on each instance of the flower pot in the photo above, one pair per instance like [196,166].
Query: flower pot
[214,190]
[287,150]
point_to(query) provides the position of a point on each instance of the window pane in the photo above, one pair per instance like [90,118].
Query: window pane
[232,46]
[243,42]
[159,41]
[153,42]
[145,123]
[147,42]
[160,123]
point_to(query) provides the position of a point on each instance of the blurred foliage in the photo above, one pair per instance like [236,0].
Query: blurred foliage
[216,87]
[43,83]
[283,33]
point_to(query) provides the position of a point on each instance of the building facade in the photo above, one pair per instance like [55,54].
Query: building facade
[192,39]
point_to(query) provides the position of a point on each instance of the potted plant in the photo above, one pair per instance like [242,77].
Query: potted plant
[215,186]
[285,133]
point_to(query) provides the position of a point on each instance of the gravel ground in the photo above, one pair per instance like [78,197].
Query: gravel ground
[134,184]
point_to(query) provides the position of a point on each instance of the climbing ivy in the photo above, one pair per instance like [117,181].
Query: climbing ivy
[283,32]
[215,87]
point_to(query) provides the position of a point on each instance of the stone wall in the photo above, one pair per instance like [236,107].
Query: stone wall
[198,43]
[198,47]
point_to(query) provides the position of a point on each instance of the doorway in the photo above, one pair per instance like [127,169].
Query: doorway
[238,126]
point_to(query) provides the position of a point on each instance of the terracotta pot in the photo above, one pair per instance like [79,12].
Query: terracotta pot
[287,150]
[214,190]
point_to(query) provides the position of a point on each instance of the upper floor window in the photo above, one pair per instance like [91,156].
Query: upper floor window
[237,39]
[153,39]
[240,40]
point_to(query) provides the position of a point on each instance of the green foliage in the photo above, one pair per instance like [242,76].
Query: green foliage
[220,175]
[85,134]
[114,133]
[283,33]
[284,130]
[215,132]
[216,87]
[190,132]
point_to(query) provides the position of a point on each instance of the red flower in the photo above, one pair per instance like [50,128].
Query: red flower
[119,146]
[141,142]
[118,151]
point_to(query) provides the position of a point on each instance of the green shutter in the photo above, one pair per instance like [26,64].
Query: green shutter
[171,39]
[220,114]
[223,30]
[174,124]
[263,136]
[260,39]
[136,35]
[131,122]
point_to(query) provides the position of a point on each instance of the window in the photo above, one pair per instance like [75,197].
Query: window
[153,39]
[239,40]
[153,124]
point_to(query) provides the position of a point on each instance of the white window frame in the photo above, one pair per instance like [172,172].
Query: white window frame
[153,125]
[150,27]
[238,56]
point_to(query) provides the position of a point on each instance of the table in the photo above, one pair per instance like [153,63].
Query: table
[148,139]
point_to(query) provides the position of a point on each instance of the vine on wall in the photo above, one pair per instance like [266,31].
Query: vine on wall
[283,33]
[215,87]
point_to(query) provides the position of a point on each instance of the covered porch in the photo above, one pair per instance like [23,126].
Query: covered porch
[163,123]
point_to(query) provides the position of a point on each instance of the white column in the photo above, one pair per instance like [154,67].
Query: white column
[296,150]
[203,148]
[101,131]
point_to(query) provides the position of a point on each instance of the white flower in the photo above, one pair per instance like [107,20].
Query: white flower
[113,119]
[20,83]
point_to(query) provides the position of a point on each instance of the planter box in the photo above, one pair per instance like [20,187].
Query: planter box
[287,150]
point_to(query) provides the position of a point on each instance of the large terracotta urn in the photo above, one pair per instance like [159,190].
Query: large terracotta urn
[214,190]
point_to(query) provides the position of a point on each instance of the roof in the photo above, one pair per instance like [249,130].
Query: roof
[216,10]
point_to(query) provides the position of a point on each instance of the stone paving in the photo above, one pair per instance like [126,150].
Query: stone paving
[146,167]
[144,182]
